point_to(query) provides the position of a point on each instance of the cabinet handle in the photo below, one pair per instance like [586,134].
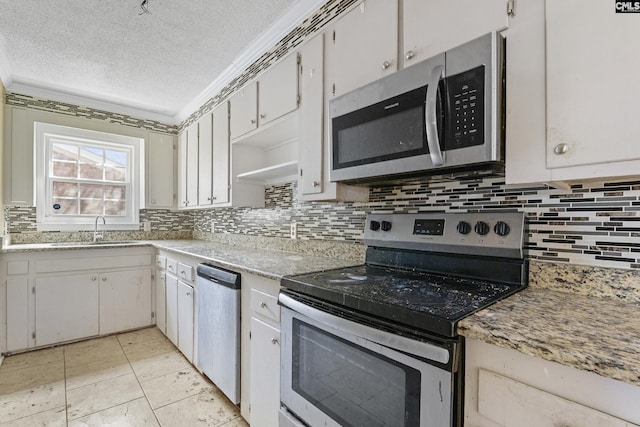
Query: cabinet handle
[262,115]
[410,54]
[253,121]
[104,278]
[188,294]
[316,184]
[94,278]
[263,304]
[386,64]
[274,341]
[153,202]
[561,148]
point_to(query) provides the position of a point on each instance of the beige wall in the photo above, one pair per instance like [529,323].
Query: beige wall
[1,158]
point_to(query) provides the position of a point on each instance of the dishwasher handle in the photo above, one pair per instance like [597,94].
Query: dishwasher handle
[219,275]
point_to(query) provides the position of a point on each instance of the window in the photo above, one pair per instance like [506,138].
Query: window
[81,174]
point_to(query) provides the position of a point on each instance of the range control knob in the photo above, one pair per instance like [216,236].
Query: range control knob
[502,228]
[463,227]
[374,225]
[386,226]
[482,228]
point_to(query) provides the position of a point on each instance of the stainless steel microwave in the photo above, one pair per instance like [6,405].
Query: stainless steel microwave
[442,114]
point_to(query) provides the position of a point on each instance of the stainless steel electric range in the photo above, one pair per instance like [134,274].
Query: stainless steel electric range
[376,344]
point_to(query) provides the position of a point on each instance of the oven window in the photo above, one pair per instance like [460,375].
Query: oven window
[388,130]
[351,384]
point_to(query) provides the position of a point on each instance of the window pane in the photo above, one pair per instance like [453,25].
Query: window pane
[65,189]
[91,172]
[65,169]
[67,206]
[115,208]
[115,192]
[65,152]
[91,155]
[91,191]
[91,207]
[116,158]
[115,174]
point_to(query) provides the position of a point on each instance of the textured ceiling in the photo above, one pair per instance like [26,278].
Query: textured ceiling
[107,51]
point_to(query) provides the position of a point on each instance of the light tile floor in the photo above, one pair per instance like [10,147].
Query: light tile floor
[133,379]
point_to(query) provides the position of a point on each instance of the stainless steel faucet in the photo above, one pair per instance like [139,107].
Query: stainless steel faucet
[97,235]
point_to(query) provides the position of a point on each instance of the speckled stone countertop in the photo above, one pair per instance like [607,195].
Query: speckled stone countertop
[566,317]
[273,264]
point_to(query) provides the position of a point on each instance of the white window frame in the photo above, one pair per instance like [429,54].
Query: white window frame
[44,135]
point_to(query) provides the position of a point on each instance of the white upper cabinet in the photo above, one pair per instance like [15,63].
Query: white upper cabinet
[244,107]
[565,120]
[188,167]
[221,154]
[205,159]
[160,171]
[592,84]
[278,89]
[431,27]
[366,44]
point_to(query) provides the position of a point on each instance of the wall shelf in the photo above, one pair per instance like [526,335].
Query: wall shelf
[272,174]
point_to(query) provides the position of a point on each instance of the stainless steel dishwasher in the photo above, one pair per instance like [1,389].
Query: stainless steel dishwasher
[218,297]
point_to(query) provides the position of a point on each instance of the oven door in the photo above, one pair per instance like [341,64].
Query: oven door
[335,372]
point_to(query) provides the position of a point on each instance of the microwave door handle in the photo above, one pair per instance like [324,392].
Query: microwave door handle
[430,122]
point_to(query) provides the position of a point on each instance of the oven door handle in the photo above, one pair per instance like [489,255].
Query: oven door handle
[386,339]
[430,119]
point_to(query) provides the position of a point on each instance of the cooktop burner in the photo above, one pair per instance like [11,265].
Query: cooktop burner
[426,271]
[426,301]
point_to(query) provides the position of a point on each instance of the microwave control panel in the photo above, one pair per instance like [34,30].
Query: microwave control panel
[465,126]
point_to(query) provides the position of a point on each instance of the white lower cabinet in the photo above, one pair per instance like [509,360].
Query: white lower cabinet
[185,319]
[260,351]
[172,308]
[265,373]
[161,300]
[63,295]
[66,308]
[506,388]
[125,300]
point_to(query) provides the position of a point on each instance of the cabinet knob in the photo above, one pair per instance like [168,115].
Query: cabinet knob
[253,121]
[263,304]
[188,294]
[386,64]
[153,202]
[316,184]
[262,115]
[274,341]
[410,54]
[94,278]
[104,278]
[561,148]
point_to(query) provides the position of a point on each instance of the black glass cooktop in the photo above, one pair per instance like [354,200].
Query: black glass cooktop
[429,302]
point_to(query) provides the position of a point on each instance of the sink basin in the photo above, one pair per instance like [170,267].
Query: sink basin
[98,243]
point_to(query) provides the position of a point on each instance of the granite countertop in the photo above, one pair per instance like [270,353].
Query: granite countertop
[269,263]
[599,335]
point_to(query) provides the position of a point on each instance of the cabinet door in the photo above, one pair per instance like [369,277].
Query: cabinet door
[192,165]
[66,308]
[432,26]
[278,90]
[172,308]
[18,313]
[221,154]
[182,169]
[205,159]
[366,44]
[244,110]
[185,319]
[160,176]
[125,300]
[161,301]
[265,374]
[310,144]
[592,89]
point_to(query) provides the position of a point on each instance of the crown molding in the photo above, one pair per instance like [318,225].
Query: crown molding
[261,44]
[54,94]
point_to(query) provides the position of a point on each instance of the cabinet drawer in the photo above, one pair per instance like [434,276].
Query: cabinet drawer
[185,271]
[161,262]
[172,266]
[17,267]
[265,305]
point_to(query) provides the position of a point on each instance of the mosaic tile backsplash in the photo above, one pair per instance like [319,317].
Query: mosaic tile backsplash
[594,224]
